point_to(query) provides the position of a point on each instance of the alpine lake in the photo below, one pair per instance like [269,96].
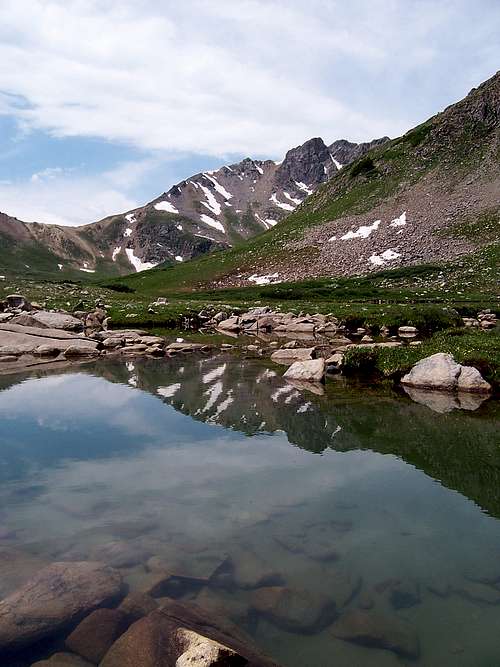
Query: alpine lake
[362,507]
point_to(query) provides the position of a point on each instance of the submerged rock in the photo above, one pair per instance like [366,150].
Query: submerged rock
[369,628]
[182,635]
[294,610]
[55,597]
[95,635]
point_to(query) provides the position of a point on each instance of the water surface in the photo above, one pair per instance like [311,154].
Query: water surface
[359,494]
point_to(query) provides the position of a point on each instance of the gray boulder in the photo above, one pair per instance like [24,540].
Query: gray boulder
[441,371]
[312,370]
[57,596]
[289,355]
[56,320]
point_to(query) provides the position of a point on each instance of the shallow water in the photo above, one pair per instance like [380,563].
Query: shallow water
[360,495]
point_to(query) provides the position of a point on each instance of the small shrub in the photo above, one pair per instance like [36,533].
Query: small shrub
[363,166]
[359,360]
[118,287]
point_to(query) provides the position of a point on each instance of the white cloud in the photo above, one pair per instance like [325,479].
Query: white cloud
[60,198]
[215,78]
[223,78]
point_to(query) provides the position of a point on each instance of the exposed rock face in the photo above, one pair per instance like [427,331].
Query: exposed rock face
[312,370]
[180,635]
[369,628]
[205,212]
[440,371]
[55,597]
[294,610]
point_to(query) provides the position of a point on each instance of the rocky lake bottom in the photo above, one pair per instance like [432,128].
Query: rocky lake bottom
[356,527]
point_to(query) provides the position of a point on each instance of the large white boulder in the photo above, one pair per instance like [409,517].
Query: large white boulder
[441,371]
[312,370]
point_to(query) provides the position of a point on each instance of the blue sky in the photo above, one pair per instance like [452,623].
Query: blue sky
[104,104]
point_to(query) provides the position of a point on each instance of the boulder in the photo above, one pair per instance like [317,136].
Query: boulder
[470,379]
[27,320]
[5,317]
[57,596]
[294,610]
[289,355]
[182,635]
[17,301]
[49,320]
[231,324]
[407,331]
[371,629]
[312,370]
[95,635]
[441,371]
[137,605]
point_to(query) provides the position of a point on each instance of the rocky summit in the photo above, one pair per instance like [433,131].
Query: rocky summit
[213,210]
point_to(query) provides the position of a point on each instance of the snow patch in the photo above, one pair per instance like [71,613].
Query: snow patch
[399,222]
[265,280]
[303,187]
[271,222]
[259,169]
[362,232]
[386,256]
[220,188]
[168,392]
[137,263]
[285,207]
[179,227]
[130,217]
[292,199]
[60,267]
[336,162]
[127,232]
[166,206]
[210,221]
[304,408]
[87,270]
[178,258]
[116,252]
[212,204]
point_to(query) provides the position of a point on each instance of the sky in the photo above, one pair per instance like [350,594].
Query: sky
[105,104]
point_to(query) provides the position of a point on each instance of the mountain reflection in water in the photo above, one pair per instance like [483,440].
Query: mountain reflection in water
[197,459]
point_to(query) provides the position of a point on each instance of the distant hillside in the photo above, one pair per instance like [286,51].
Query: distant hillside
[209,211]
[430,196]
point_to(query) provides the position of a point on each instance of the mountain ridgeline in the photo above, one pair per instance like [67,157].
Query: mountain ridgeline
[209,211]
[430,197]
